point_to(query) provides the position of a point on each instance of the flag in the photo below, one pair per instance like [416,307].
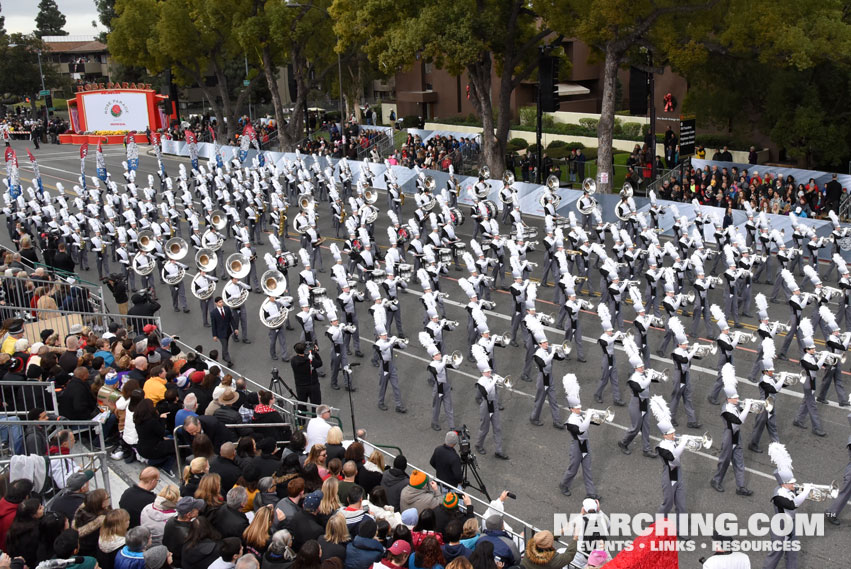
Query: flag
[84,151]
[245,141]
[216,149]
[12,173]
[36,173]
[132,151]
[100,162]
[193,147]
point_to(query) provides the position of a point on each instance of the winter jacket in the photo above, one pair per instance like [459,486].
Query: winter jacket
[76,401]
[503,546]
[443,515]
[230,522]
[174,536]
[451,552]
[134,500]
[8,511]
[419,498]
[546,558]
[200,556]
[227,469]
[362,552]
[330,550]
[126,559]
[152,442]
[155,516]
[394,481]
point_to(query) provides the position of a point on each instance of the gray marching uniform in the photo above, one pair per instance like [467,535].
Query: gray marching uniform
[731,448]
[673,486]
[835,508]
[545,389]
[199,284]
[726,345]
[768,386]
[573,328]
[764,332]
[347,301]
[797,304]
[518,293]
[609,368]
[671,304]
[682,385]
[339,358]
[441,393]
[388,370]
[844,311]
[178,291]
[277,336]
[240,313]
[145,260]
[701,309]
[639,413]
[489,415]
[833,373]
[642,324]
[580,455]
[305,318]
[391,287]
[785,502]
[808,405]
[531,346]
[731,308]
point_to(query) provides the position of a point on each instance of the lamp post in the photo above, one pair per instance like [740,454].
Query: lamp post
[339,62]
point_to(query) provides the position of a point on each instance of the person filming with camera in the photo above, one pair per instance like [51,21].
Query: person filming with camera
[305,365]
[446,461]
[118,287]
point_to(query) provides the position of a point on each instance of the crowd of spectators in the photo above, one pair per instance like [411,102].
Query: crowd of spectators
[765,190]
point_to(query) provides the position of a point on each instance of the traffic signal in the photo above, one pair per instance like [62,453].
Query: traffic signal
[48,101]
[548,83]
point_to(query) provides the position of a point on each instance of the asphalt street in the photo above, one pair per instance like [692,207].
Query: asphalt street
[629,484]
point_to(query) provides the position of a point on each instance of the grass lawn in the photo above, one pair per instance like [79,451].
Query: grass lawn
[58,104]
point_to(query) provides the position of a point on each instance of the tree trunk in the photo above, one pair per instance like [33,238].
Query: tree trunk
[227,108]
[480,91]
[269,71]
[607,120]
[292,133]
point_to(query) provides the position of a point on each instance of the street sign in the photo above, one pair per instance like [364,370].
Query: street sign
[44,93]
[246,82]
[687,127]
[604,177]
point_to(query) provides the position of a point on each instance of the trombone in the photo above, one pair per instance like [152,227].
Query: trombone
[819,492]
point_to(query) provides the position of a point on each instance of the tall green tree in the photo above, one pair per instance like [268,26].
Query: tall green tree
[277,34]
[476,37]
[2,24]
[196,40]
[49,21]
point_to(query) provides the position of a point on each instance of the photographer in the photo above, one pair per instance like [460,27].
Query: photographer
[143,305]
[446,461]
[118,287]
[304,366]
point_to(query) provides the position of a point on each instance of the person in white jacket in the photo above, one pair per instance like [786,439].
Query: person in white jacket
[154,516]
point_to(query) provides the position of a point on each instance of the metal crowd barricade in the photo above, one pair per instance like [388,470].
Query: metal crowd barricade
[33,439]
[61,321]
[16,290]
[178,447]
[21,396]
[293,411]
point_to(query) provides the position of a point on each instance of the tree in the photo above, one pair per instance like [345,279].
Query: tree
[2,24]
[49,21]
[472,36]
[298,35]
[192,38]
[19,71]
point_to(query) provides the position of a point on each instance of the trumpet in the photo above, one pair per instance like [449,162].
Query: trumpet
[396,341]
[758,405]
[740,337]
[503,381]
[829,292]
[658,375]
[831,359]
[623,336]
[686,298]
[657,321]
[453,323]
[349,328]
[808,297]
[545,319]
[600,416]
[502,340]
[713,281]
[791,379]
[531,265]
[694,443]
[795,252]
[819,492]
[585,304]
[442,295]
[781,327]
[455,359]
[487,304]
[563,350]
[703,350]
[636,284]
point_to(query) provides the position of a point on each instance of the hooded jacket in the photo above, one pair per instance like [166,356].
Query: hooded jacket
[362,552]
[394,481]
[200,556]
[155,516]
[547,558]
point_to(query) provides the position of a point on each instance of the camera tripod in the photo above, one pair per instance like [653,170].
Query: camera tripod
[468,464]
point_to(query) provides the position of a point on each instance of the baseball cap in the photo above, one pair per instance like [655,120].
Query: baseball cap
[79,479]
[400,547]
[312,500]
[187,504]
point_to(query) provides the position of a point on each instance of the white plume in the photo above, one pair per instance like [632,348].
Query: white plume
[469,262]
[811,274]
[631,348]
[635,295]
[304,293]
[789,279]
[531,293]
[833,217]
[479,354]
[717,313]
[466,287]
[728,377]
[425,340]
[827,315]
[660,409]
[761,302]
[571,385]
[480,318]
[676,326]
[840,263]
[806,328]
[768,349]
[603,312]
[780,456]
[675,211]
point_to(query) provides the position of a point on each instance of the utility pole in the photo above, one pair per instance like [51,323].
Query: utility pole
[539,119]
[652,107]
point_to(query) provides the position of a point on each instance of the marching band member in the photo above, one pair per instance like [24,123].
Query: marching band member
[785,501]
[580,454]
[726,345]
[441,390]
[277,336]
[518,293]
[544,389]
[315,245]
[837,344]
[126,263]
[473,307]
[144,261]
[347,299]
[766,330]
[784,262]
[811,366]
[387,373]
[531,323]
[769,387]
[797,303]
[642,323]
[731,448]
[436,326]
[733,275]
[616,292]
[101,257]
[639,383]
[170,271]
[671,452]
[844,494]
[549,254]
[231,292]
[250,253]
[391,287]
[683,388]
[339,357]
[844,311]
[572,310]
[489,410]
[702,285]
[837,235]
[671,303]
[202,282]
[822,299]
[379,315]
[608,364]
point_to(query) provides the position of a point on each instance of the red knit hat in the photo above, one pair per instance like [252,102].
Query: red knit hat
[197,377]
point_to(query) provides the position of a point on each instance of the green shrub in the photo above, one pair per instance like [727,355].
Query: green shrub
[557,153]
[590,124]
[556,144]
[632,129]
[515,145]
[532,148]
[410,121]
[528,116]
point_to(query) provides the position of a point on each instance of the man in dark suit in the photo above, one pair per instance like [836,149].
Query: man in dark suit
[221,320]
[833,189]
[62,260]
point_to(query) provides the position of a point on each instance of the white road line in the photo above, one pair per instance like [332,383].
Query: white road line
[531,396]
